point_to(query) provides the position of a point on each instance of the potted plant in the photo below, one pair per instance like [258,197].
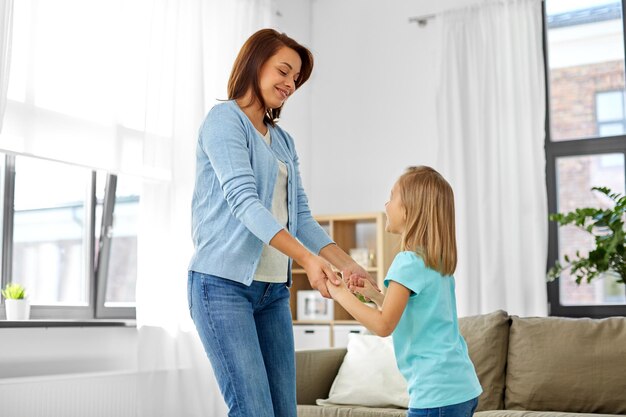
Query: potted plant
[607,228]
[17,306]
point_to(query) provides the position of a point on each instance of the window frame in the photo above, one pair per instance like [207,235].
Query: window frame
[96,268]
[574,147]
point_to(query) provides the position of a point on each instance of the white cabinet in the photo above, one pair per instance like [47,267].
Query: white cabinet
[342,331]
[311,336]
[318,336]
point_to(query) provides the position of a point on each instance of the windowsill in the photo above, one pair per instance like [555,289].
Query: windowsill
[68,323]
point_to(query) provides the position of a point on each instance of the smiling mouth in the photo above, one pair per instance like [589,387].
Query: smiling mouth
[283,93]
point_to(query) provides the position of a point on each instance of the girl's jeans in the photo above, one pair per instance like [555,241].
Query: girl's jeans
[465,409]
[248,336]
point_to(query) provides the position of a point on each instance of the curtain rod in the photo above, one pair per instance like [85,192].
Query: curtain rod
[422,20]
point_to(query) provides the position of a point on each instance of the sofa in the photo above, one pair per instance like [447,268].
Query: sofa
[528,367]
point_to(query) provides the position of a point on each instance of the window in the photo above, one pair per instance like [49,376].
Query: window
[116,266]
[610,113]
[52,241]
[586,136]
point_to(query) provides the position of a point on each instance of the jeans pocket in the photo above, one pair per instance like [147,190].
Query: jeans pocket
[190,292]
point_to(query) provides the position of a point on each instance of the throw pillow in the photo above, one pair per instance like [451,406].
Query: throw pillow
[369,375]
[569,365]
[487,338]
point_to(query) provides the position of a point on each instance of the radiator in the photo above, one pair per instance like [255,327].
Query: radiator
[77,395]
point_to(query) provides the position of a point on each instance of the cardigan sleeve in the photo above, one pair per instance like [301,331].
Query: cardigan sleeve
[223,139]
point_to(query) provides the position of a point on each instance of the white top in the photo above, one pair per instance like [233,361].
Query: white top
[273,263]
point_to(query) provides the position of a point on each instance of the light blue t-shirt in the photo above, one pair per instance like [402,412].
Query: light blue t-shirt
[429,348]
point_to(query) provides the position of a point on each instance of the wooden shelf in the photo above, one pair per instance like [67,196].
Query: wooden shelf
[345,322]
[325,322]
[313,322]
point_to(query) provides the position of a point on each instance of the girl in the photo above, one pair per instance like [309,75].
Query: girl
[249,215]
[419,309]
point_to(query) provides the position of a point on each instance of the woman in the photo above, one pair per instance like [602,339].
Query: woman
[248,209]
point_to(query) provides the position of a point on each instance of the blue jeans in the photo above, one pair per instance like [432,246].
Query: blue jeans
[247,334]
[465,409]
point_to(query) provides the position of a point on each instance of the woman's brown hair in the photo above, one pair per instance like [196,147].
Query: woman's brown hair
[428,201]
[260,47]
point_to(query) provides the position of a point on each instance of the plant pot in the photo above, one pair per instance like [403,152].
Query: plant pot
[17,309]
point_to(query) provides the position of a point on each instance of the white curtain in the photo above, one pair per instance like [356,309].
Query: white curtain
[124,86]
[491,115]
[191,51]
[78,86]
[6,23]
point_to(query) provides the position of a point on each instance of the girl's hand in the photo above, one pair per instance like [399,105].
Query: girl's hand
[363,287]
[354,269]
[319,271]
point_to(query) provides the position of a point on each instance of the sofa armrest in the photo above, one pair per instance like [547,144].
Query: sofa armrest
[315,372]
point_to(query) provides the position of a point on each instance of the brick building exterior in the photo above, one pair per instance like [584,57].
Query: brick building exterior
[573,92]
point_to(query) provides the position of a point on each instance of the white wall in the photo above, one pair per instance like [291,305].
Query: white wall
[48,351]
[293,17]
[373,99]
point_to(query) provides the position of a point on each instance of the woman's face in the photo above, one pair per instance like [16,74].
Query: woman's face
[396,215]
[277,79]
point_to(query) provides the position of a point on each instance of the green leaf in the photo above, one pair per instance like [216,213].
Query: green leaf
[13,292]
[607,228]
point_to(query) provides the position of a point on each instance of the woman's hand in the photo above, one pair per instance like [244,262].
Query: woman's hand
[318,271]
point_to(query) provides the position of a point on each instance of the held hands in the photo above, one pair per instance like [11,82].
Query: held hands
[318,271]
[357,284]
[353,271]
[350,272]
[363,287]
[356,279]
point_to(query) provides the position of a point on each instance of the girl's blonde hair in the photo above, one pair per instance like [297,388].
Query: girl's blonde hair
[428,202]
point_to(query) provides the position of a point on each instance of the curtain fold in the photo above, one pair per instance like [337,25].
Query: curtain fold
[491,121]
[192,47]
[6,24]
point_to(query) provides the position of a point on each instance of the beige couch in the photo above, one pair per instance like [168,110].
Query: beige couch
[552,366]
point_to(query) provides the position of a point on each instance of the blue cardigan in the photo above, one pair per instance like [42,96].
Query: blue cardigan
[235,175]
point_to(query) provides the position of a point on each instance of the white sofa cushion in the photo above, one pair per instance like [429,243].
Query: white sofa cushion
[369,375]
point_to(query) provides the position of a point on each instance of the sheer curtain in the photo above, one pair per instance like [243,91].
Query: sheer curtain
[191,50]
[124,88]
[78,85]
[6,19]
[491,115]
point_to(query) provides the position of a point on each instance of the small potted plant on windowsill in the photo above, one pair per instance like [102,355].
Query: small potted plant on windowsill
[16,303]
[607,227]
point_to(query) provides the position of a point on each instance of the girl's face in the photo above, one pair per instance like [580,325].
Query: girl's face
[396,215]
[277,79]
